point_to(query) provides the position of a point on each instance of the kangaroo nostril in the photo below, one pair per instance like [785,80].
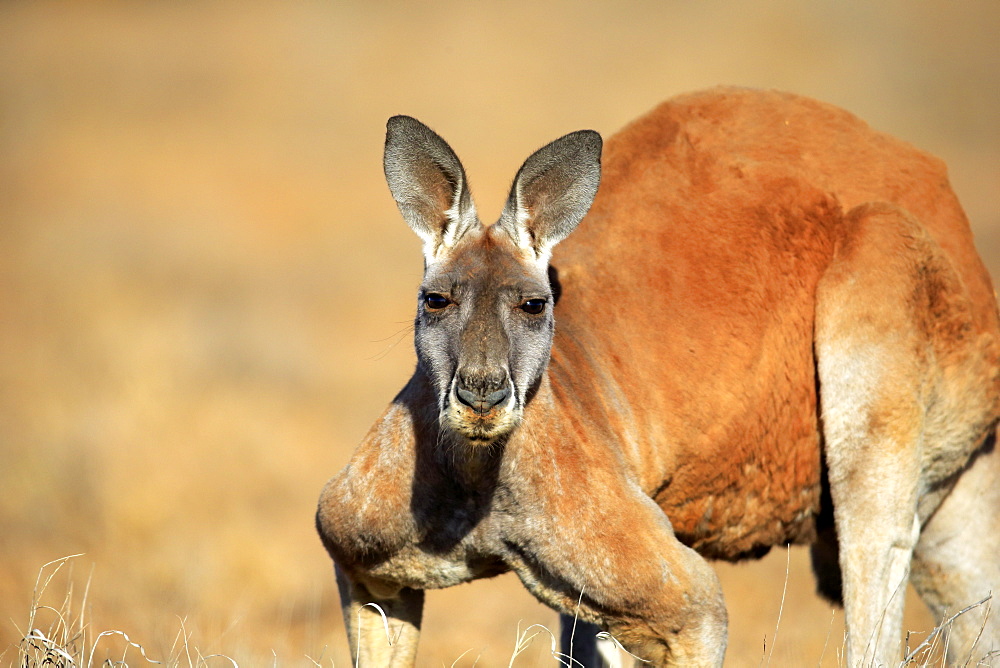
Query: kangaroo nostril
[497,397]
[500,395]
[466,397]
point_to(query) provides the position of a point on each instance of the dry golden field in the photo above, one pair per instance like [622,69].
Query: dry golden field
[205,288]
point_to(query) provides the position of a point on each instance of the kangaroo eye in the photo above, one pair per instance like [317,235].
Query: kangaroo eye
[533,306]
[435,302]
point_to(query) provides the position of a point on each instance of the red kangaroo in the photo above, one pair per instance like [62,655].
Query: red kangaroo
[771,326]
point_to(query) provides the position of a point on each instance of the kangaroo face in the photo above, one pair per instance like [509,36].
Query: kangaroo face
[484,319]
[484,330]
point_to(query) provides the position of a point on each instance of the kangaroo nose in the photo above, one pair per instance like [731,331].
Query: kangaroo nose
[483,395]
[479,402]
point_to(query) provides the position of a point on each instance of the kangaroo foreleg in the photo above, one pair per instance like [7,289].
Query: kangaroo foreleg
[382,630]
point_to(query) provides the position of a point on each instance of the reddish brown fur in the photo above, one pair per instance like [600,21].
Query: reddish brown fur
[718,194]
[684,365]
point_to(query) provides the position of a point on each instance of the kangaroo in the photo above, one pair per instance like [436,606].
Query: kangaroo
[769,325]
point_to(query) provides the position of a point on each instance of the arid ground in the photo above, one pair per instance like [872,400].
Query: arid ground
[206,290]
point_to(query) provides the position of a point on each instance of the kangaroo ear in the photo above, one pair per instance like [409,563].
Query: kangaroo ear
[552,192]
[428,183]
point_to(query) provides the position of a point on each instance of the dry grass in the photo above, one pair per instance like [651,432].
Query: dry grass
[934,648]
[61,636]
[202,275]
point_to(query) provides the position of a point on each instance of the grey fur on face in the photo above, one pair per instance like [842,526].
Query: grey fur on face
[484,321]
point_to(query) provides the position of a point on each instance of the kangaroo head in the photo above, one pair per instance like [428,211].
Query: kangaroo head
[484,323]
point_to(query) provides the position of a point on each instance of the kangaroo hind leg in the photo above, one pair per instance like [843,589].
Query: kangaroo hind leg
[581,646]
[957,561]
[876,364]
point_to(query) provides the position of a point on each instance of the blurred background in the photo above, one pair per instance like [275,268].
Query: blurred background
[206,290]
